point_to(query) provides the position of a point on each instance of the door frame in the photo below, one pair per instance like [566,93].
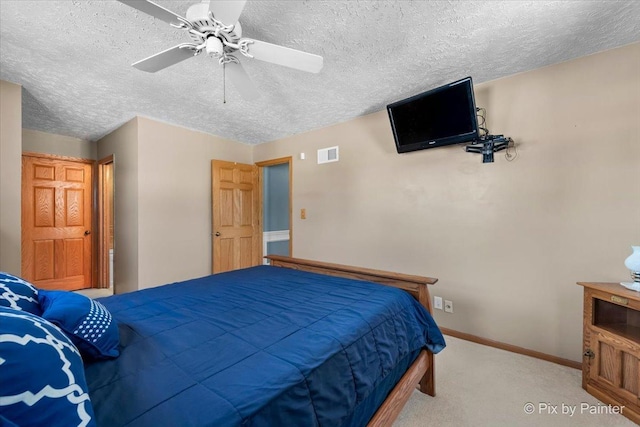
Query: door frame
[103,247]
[94,222]
[261,165]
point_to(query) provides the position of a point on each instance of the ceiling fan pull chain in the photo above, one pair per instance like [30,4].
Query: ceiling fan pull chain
[224,60]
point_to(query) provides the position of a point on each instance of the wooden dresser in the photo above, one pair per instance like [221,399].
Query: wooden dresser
[611,348]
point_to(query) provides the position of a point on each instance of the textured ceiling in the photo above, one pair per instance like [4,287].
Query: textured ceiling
[73,59]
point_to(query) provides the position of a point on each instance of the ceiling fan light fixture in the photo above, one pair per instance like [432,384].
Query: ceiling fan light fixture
[214,46]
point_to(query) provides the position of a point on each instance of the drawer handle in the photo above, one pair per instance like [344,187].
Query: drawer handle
[619,300]
[588,353]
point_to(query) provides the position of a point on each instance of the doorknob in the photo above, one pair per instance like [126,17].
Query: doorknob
[86,233]
[217,233]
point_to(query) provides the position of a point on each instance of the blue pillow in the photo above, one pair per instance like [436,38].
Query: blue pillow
[18,294]
[43,381]
[86,322]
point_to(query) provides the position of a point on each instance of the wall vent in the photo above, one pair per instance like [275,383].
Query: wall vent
[328,155]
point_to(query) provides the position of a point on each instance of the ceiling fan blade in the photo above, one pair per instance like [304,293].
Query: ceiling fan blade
[240,79]
[157,11]
[164,59]
[284,56]
[227,11]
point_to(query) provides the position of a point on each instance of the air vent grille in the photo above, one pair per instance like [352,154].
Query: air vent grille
[328,155]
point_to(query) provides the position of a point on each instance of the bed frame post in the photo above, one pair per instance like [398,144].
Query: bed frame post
[424,298]
[428,381]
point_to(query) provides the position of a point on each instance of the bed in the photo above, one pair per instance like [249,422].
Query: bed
[295,343]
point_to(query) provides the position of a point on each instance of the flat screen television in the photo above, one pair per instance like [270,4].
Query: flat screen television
[441,116]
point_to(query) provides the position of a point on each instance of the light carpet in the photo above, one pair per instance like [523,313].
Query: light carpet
[477,385]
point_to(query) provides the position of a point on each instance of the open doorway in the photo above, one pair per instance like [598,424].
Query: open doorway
[106,246]
[276,184]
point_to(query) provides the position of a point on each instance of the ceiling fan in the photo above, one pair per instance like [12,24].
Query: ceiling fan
[213,28]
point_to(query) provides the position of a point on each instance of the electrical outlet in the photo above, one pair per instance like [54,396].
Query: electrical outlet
[437,303]
[303,213]
[448,306]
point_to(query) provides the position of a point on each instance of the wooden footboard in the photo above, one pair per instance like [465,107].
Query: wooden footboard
[422,371]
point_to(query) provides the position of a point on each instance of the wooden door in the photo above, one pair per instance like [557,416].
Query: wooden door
[616,365]
[236,216]
[56,222]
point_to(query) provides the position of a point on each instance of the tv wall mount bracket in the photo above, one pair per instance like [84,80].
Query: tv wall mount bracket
[487,145]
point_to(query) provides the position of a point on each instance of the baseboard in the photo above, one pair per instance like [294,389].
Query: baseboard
[512,348]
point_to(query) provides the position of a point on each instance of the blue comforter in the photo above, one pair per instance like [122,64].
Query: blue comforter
[264,346]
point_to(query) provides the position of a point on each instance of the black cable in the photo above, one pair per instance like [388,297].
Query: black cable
[511,151]
[482,115]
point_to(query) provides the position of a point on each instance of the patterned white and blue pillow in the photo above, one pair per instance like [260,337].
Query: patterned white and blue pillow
[43,382]
[18,294]
[86,322]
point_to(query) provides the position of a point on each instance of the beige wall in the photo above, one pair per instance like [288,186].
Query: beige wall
[175,199]
[10,176]
[162,177]
[49,143]
[507,240]
[123,145]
